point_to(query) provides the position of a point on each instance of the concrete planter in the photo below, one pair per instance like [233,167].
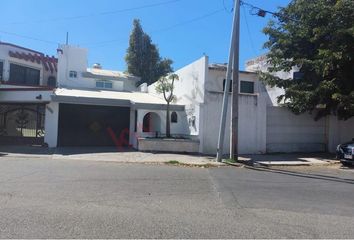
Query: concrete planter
[168,145]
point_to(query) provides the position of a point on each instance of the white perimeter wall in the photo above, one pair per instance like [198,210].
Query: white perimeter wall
[339,132]
[252,129]
[51,124]
[287,132]
[24,96]
[179,128]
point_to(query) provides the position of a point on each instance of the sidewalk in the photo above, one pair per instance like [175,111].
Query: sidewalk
[106,154]
[289,159]
[111,154]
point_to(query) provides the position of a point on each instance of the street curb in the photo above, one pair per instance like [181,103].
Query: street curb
[233,164]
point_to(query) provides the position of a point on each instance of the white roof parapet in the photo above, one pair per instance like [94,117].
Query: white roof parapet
[112,98]
[107,74]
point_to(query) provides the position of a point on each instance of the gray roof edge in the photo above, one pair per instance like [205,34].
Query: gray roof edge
[155,106]
[91,101]
[113,102]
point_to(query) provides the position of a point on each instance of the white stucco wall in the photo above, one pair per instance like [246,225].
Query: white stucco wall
[75,59]
[180,128]
[252,127]
[339,132]
[252,115]
[287,132]
[189,90]
[24,96]
[51,124]
[261,64]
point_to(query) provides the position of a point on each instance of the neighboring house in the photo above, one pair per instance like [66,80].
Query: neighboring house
[27,81]
[287,132]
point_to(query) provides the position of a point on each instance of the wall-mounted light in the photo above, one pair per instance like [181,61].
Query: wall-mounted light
[39,97]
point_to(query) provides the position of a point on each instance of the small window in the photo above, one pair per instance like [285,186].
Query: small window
[24,75]
[1,70]
[108,85]
[104,84]
[52,82]
[73,74]
[174,117]
[223,85]
[247,87]
[99,84]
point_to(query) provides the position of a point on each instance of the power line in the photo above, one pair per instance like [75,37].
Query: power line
[98,14]
[209,14]
[248,30]
[189,21]
[225,8]
[104,43]
[28,37]
[262,13]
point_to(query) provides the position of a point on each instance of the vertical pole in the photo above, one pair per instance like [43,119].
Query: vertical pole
[235,91]
[67,38]
[234,36]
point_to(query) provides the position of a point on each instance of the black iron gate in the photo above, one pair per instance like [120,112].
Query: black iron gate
[22,124]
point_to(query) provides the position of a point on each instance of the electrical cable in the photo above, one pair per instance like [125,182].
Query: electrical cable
[104,43]
[248,30]
[96,14]
[28,37]
[261,12]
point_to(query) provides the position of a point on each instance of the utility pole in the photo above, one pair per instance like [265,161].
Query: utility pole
[235,91]
[233,60]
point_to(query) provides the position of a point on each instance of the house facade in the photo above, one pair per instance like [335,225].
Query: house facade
[264,125]
[27,78]
[82,107]
[61,101]
[200,89]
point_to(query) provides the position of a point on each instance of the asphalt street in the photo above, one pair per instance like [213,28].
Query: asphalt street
[46,198]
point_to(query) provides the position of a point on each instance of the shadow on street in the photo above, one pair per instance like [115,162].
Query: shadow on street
[304,175]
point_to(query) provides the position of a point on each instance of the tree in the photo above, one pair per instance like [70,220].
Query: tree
[143,58]
[165,85]
[317,36]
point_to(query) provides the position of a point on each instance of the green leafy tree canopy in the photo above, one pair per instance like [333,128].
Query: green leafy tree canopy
[143,58]
[316,36]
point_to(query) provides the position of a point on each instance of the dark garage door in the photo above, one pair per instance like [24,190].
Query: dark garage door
[86,125]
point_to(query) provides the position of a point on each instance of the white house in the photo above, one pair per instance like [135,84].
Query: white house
[83,107]
[264,126]
[60,101]
[27,81]
[200,89]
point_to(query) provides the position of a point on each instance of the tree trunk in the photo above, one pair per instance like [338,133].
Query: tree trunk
[168,122]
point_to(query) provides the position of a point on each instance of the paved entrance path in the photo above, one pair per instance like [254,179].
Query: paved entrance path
[52,198]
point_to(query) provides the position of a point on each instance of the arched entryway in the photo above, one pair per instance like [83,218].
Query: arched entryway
[151,122]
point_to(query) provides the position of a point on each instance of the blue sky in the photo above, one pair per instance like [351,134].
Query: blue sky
[184,30]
